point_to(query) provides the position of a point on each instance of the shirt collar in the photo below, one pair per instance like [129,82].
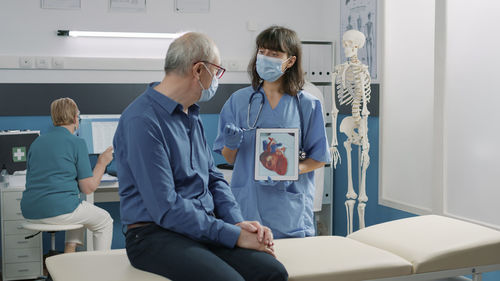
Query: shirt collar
[299,94]
[167,103]
[61,129]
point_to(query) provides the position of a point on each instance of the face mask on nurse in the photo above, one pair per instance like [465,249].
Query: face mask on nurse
[268,68]
[207,94]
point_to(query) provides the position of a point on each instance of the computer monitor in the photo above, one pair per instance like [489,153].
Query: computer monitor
[98,131]
[14,146]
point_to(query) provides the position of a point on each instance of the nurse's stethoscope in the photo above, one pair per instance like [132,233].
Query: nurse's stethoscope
[302,153]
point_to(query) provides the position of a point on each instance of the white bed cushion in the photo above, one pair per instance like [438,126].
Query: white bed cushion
[112,265]
[312,259]
[337,258]
[433,243]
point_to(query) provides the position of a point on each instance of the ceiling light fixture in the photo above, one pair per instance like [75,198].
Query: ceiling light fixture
[75,33]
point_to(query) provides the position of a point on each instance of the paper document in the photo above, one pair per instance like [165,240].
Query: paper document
[102,135]
[108,177]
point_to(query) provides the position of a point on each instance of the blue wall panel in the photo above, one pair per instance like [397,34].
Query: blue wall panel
[41,123]
[374,213]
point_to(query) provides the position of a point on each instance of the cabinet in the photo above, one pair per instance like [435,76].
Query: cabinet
[21,258]
[318,62]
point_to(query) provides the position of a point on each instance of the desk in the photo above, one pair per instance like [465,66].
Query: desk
[106,192]
[21,258]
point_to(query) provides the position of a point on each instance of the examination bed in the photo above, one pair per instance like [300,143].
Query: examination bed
[419,248]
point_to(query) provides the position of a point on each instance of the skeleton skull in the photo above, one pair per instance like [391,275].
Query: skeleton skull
[352,41]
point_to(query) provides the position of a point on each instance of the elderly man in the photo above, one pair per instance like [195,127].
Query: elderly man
[182,219]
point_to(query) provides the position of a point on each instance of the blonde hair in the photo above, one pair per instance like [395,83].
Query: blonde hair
[63,111]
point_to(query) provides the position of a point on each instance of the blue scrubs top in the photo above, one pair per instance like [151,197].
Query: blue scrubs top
[286,208]
[56,161]
[167,174]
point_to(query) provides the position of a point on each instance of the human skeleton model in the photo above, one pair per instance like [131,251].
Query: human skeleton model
[353,79]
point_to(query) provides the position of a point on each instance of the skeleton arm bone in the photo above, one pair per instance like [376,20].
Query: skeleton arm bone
[365,158]
[334,113]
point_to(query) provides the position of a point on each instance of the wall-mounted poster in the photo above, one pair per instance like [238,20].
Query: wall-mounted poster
[277,154]
[361,15]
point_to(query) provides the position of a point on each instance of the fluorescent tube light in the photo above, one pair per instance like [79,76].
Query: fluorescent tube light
[74,33]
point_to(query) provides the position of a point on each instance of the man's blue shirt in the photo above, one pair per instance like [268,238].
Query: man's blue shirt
[167,174]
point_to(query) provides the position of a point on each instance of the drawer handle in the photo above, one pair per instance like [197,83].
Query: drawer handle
[23,256]
[22,242]
[19,213]
[18,199]
[19,227]
[23,270]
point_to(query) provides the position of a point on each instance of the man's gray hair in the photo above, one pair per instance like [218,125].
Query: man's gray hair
[187,50]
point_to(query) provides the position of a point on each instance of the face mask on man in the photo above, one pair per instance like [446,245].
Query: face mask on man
[269,68]
[207,94]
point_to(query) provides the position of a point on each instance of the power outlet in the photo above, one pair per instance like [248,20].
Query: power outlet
[57,63]
[42,62]
[252,25]
[26,62]
[234,65]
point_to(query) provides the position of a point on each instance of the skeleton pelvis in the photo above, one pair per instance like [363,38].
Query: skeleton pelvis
[351,129]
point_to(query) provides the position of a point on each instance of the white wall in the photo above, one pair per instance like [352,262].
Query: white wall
[472,118]
[440,117]
[406,118]
[31,32]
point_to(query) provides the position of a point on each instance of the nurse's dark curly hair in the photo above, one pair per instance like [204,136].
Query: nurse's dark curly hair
[285,40]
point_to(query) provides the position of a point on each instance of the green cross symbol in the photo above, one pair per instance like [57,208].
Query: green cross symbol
[19,154]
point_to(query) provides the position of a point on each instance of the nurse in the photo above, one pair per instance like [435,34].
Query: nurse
[274,100]
[58,169]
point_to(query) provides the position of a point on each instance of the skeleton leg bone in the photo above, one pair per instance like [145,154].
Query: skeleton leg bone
[361,214]
[351,194]
[362,186]
[365,162]
[349,206]
[365,157]
[347,127]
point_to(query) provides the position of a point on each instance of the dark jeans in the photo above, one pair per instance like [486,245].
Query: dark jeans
[177,257]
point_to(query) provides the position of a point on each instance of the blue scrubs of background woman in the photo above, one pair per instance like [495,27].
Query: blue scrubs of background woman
[284,206]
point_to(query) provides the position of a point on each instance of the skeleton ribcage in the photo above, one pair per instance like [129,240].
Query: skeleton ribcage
[353,86]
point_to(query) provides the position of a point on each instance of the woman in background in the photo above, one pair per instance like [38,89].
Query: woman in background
[58,169]
[274,100]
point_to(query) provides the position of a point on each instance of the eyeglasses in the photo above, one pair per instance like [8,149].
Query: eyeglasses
[220,70]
